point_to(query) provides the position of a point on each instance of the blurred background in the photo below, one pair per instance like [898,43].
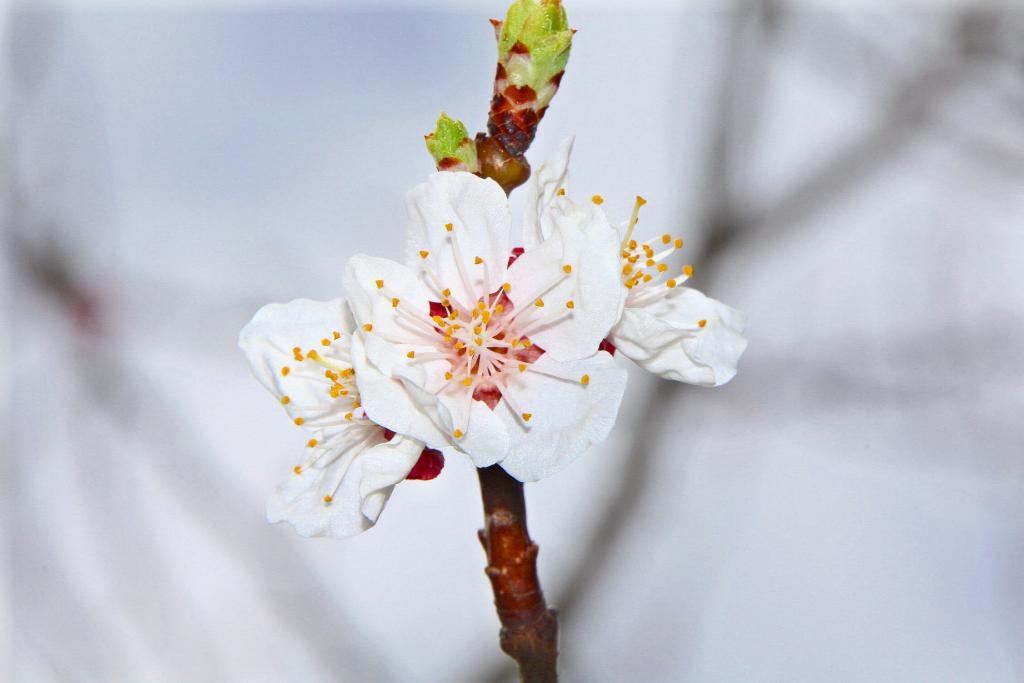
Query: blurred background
[849,508]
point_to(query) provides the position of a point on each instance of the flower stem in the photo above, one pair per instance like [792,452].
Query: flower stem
[529,630]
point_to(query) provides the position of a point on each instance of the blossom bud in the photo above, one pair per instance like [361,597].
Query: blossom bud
[451,146]
[533,49]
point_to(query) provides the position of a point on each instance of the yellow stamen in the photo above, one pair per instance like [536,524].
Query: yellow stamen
[507,287]
[670,284]
[688,270]
[539,303]
[312,354]
[380,284]
[567,268]
[457,433]
[311,443]
[527,416]
[666,238]
[328,499]
[678,244]
[570,304]
[297,469]
[597,199]
[411,354]
[477,260]
[468,382]
[561,192]
[368,327]
[286,400]
[702,323]
[325,342]
[394,302]
[449,227]
[522,367]
[585,380]
[447,375]
[285,370]
[348,416]
[424,254]
[640,201]
[298,421]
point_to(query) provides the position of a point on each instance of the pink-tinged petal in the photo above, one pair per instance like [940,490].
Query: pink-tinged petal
[571,407]
[458,231]
[542,190]
[684,336]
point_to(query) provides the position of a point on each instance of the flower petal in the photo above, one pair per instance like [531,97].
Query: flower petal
[667,338]
[392,403]
[268,342]
[358,481]
[546,181]
[485,438]
[567,416]
[582,304]
[458,228]
[387,300]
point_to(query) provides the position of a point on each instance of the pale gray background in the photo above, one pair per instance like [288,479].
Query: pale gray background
[848,509]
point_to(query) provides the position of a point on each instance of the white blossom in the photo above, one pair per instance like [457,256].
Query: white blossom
[469,353]
[670,330]
[300,352]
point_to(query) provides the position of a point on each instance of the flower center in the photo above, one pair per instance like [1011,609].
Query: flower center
[486,344]
[485,340]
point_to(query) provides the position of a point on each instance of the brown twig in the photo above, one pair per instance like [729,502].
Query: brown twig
[529,630]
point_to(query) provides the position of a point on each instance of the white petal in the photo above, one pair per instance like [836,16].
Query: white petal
[546,181]
[275,330]
[567,417]
[584,240]
[372,285]
[359,482]
[665,338]
[478,212]
[392,403]
[485,438]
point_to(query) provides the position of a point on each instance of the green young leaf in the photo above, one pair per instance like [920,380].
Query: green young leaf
[451,146]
